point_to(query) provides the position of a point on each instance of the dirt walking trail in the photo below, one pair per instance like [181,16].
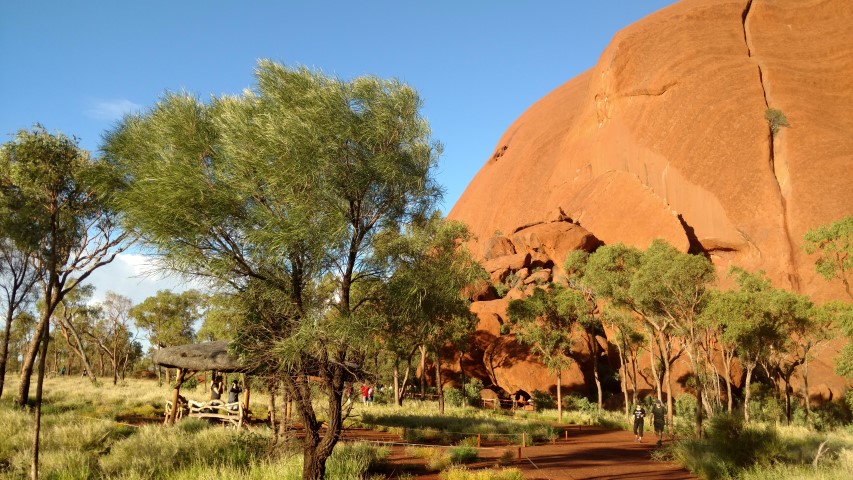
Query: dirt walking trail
[592,453]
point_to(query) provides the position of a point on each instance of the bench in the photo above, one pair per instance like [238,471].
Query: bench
[232,413]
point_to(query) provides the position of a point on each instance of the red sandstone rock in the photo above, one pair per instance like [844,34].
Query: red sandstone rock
[498,247]
[666,138]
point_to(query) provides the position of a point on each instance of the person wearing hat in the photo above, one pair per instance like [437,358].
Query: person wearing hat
[639,415]
[659,414]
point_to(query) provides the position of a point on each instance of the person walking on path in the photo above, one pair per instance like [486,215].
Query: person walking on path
[639,415]
[364,394]
[659,414]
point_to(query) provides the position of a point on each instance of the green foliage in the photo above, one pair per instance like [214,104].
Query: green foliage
[168,317]
[543,400]
[581,404]
[455,397]
[472,392]
[776,119]
[840,315]
[279,195]
[462,454]
[453,427]
[728,447]
[834,245]
[544,322]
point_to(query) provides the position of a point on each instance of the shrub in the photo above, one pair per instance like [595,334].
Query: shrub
[454,396]
[776,119]
[543,400]
[582,404]
[462,473]
[462,454]
[472,392]
[729,447]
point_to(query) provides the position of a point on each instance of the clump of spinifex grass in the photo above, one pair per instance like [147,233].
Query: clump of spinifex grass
[462,473]
[732,449]
[457,424]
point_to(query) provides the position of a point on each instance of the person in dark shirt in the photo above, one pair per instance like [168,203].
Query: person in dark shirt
[639,415]
[659,421]
[216,388]
[234,392]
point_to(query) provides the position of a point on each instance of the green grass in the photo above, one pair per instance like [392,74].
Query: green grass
[419,423]
[85,436]
[462,473]
[731,449]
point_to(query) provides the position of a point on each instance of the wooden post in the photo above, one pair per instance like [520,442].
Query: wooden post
[478,440]
[175,396]
[245,393]
[567,434]
[523,439]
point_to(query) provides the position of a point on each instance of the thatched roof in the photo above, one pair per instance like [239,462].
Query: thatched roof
[199,357]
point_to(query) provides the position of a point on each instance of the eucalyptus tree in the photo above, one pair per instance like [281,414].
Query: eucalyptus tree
[834,245]
[74,317]
[57,204]
[111,330]
[277,194]
[168,318]
[426,301]
[670,288]
[18,277]
[842,322]
[795,316]
[545,322]
[222,318]
[745,322]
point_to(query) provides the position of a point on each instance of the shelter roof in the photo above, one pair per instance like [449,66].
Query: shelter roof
[199,357]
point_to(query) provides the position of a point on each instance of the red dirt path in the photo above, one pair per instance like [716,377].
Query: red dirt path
[593,453]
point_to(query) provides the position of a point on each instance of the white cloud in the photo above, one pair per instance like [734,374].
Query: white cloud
[111,109]
[135,276]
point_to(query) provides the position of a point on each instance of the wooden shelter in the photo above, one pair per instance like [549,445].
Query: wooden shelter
[197,357]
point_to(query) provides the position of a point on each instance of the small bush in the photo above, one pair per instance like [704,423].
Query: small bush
[472,392]
[776,119]
[543,400]
[506,458]
[462,454]
[454,396]
[462,473]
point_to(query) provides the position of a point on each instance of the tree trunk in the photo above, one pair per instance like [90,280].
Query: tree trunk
[806,398]
[747,392]
[653,367]
[4,350]
[595,372]
[623,377]
[30,361]
[664,347]
[313,467]
[559,396]
[81,350]
[396,374]
[34,466]
[271,408]
[728,372]
[422,348]
[175,395]
[438,385]
[787,400]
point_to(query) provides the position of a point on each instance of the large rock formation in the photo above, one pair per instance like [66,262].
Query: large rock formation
[666,137]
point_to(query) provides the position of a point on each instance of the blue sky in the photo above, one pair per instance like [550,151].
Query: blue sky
[76,67]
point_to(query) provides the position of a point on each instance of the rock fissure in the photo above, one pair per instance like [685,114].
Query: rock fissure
[775,169]
[647,92]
